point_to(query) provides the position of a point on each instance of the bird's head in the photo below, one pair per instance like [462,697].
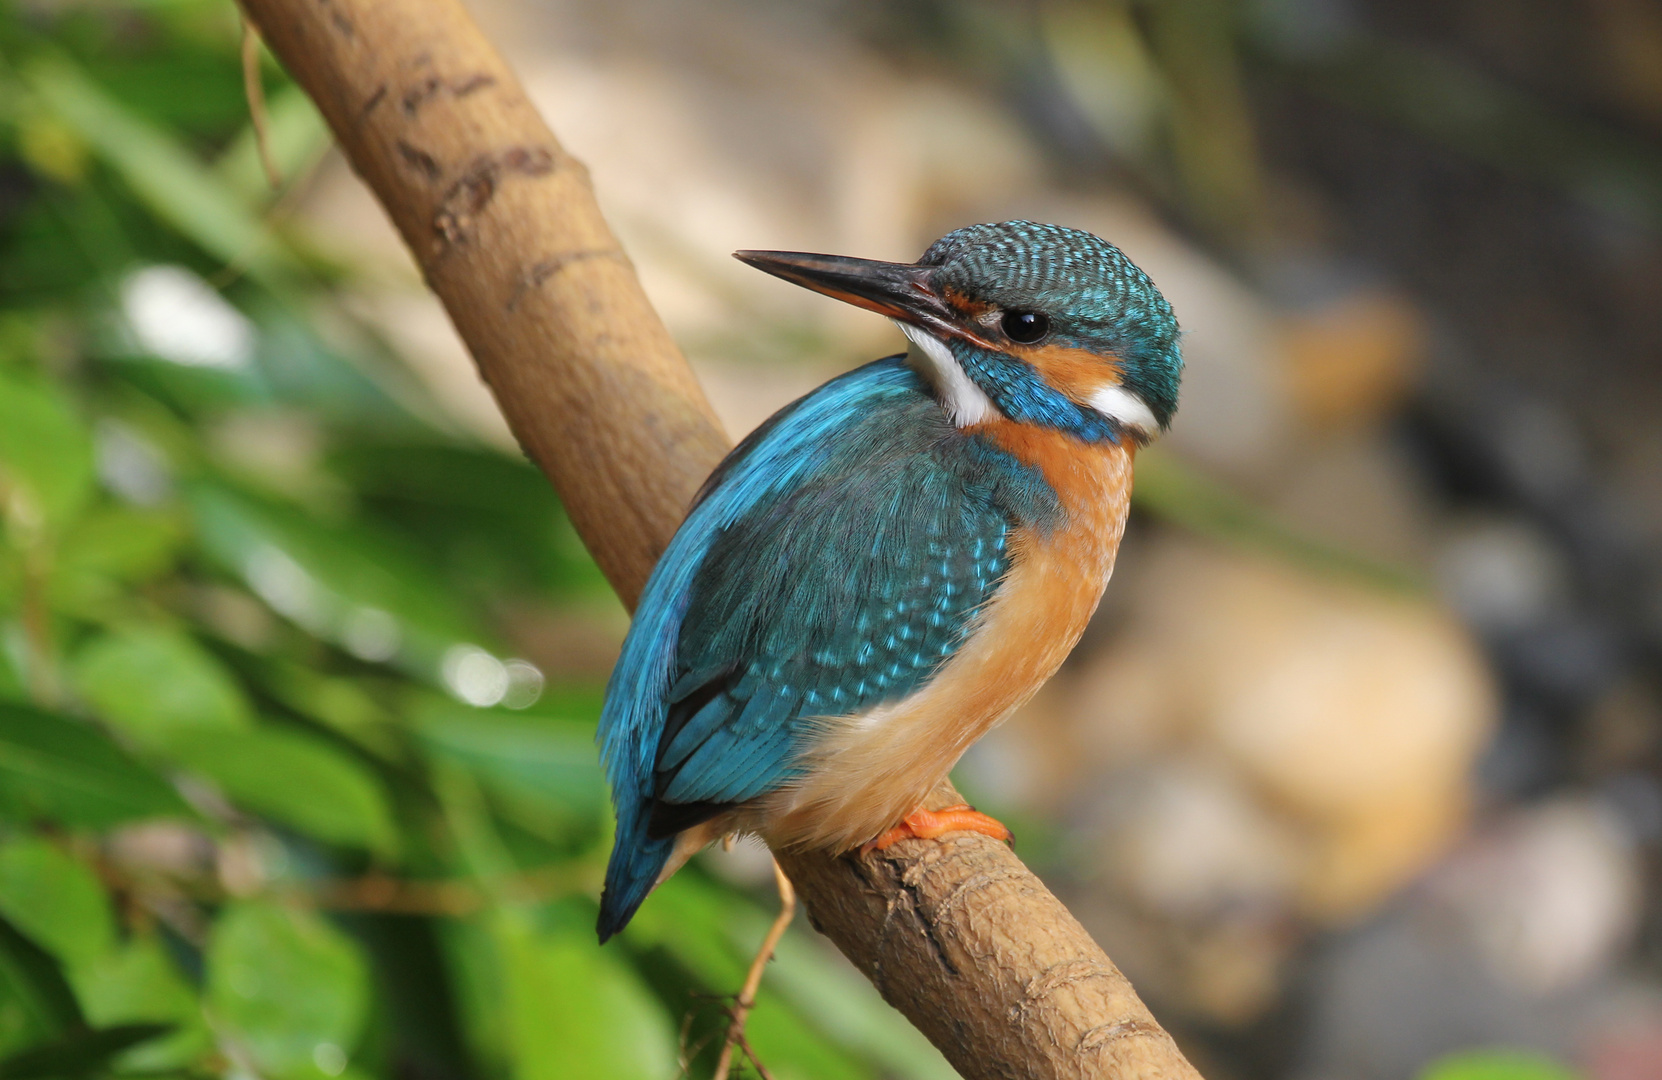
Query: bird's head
[1043,324]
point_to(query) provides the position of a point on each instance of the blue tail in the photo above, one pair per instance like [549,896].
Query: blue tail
[636,861]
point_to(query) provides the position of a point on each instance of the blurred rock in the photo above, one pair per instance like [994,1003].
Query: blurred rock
[1549,895]
[1260,747]
[1188,839]
[1502,574]
[1621,729]
[1355,715]
[1358,490]
[1383,1001]
[1352,360]
[1336,704]
[1226,970]
[1509,944]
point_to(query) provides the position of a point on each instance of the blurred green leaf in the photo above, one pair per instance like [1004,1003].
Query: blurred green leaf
[540,772]
[120,543]
[154,683]
[294,779]
[576,1012]
[173,62]
[1497,1063]
[17,1027]
[160,170]
[334,581]
[105,552]
[288,986]
[347,378]
[474,966]
[490,519]
[80,1053]
[35,987]
[45,451]
[138,983]
[72,773]
[341,703]
[55,900]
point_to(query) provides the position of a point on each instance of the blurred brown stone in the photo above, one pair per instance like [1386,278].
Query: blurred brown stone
[1262,746]
[1351,361]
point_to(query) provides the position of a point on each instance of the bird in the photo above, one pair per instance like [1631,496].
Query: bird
[891,564]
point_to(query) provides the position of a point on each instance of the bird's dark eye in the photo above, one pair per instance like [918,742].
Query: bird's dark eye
[1025,327]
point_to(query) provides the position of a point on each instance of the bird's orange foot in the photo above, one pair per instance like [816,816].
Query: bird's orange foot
[928,824]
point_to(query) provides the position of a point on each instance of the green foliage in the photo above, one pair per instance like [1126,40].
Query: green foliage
[295,780]
[55,900]
[137,983]
[272,802]
[575,1012]
[1497,1063]
[156,686]
[288,988]
[58,770]
[47,456]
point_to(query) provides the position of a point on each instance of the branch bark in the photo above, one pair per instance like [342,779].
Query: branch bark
[957,934]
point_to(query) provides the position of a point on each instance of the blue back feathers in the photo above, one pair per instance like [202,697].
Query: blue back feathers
[834,561]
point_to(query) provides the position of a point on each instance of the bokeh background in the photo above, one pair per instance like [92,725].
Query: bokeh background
[1356,773]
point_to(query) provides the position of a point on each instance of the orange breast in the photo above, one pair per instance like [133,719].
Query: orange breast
[870,770]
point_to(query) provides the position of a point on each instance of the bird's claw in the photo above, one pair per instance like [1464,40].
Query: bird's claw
[929,824]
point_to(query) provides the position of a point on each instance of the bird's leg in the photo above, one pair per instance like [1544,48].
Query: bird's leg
[928,824]
[747,996]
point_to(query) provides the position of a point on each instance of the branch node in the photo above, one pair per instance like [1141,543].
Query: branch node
[419,160]
[1103,1034]
[473,191]
[539,273]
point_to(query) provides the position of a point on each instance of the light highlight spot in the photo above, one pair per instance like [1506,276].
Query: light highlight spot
[179,317]
[475,676]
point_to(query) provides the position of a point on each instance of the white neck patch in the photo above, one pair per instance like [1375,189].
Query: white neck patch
[964,401]
[1126,409]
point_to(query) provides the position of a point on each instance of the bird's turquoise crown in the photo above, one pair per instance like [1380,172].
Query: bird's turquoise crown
[1096,298]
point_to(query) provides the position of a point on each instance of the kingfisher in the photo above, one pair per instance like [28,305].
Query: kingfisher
[888,566]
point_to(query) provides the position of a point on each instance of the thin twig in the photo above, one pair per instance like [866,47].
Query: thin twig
[761,1070]
[683,1060]
[747,996]
[254,89]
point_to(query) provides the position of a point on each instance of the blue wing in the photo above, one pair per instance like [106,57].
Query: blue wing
[835,561]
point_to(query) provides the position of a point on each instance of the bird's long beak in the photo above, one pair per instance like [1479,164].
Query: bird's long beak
[899,290]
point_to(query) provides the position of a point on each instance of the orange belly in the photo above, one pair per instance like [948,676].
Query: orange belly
[869,770]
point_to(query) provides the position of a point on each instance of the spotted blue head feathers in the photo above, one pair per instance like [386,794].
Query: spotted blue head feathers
[1010,316]
[1093,296]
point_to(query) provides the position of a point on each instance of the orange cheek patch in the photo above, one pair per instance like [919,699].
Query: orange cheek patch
[1075,372]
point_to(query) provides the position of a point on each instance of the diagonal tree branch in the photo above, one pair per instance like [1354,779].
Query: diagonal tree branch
[957,934]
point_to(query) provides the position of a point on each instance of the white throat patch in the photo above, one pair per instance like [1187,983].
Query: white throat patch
[1127,409]
[965,402]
